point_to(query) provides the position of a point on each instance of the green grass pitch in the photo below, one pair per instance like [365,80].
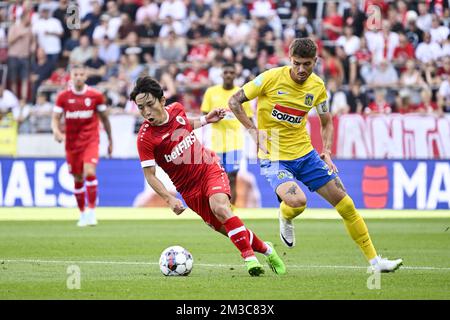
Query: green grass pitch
[118,259]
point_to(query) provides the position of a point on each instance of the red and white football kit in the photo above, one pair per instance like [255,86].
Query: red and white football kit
[194,170]
[82,125]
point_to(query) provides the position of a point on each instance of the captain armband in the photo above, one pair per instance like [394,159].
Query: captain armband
[322,108]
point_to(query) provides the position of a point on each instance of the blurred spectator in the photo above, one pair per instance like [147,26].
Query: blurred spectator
[427,106]
[403,102]
[360,63]
[401,11]
[443,96]
[194,80]
[428,51]
[439,33]
[87,6]
[413,33]
[60,76]
[167,82]
[199,11]
[101,30]
[171,49]
[8,102]
[176,9]
[446,47]
[382,43]
[354,18]
[332,22]
[130,7]
[262,9]
[134,68]
[148,31]
[303,27]
[115,19]
[403,52]
[20,45]
[236,32]
[196,31]
[348,41]
[169,24]
[202,51]
[356,98]
[383,75]
[423,21]
[149,9]
[237,6]
[109,52]
[49,32]
[411,77]
[215,71]
[337,99]
[82,53]
[379,105]
[431,76]
[61,14]
[40,71]
[71,43]
[91,20]
[95,67]
[285,9]
[40,115]
[395,20]
[126,27]
[444,70]
[332,66]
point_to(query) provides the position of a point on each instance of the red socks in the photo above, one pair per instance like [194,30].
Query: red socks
[257,244]
[80,195]
[91,188]
[238,235]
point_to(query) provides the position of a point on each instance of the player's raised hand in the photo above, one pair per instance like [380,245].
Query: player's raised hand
[215,115]
[59,137]
[260,137]
[176,205]
[325,156]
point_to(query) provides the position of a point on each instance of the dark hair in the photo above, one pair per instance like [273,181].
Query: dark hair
[229,65]
[303,48]
[146,85]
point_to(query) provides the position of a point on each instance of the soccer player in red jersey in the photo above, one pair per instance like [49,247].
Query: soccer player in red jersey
[166,138]
[82,106]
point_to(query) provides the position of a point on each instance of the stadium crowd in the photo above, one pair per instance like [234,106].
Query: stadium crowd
[391,57]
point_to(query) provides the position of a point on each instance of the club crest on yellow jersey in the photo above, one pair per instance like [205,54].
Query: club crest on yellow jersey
[309,98]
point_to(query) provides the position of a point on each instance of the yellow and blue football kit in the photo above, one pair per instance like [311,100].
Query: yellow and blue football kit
[283,107]
[227,136]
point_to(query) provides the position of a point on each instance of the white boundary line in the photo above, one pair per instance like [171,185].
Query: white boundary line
[205,264]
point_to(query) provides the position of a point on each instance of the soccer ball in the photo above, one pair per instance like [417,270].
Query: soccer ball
[176,261]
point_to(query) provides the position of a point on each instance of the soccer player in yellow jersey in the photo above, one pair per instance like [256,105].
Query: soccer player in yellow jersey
[285,96]
[226,136]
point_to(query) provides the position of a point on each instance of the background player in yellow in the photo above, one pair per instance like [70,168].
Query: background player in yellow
[227,135]
[285,96]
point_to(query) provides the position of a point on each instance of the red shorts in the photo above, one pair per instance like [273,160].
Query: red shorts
[76,159]
[215,181]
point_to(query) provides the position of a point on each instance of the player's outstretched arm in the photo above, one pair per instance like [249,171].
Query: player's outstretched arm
[175,204]
[326,121]
[56,120]
[214,116]
[107,126]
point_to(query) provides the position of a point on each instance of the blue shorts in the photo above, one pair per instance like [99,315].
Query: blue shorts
[309,169]
[231,161]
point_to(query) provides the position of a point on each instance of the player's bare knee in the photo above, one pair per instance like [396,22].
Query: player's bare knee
[295,202]
[222,211]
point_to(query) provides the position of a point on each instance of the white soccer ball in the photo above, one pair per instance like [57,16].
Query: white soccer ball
[176,261]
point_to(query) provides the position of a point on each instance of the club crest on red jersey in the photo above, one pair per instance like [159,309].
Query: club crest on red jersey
[180,120]
[88,102]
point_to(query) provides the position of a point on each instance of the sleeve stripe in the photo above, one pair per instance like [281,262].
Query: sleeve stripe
[148,163]
[57,109]
[101,107]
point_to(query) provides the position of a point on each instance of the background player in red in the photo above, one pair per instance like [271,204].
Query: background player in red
[82,106]
[166,138]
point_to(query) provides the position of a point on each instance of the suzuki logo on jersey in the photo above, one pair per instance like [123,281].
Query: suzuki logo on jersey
[79,114]
[288,114]
[185,144]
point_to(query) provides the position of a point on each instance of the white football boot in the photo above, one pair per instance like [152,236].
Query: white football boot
[83,220]
[90,219]
[287,234]
[385,265]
